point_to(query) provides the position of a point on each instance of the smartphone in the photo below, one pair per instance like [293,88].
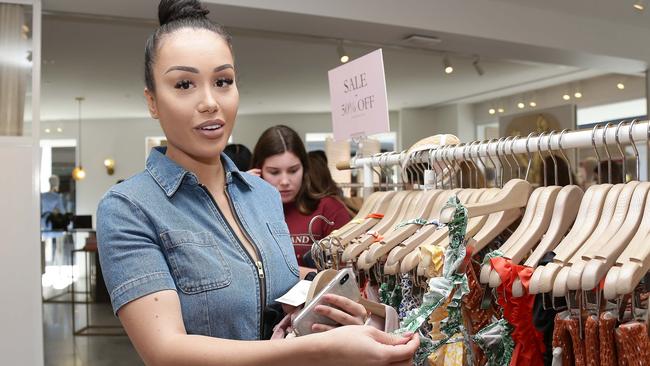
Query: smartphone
[343,284]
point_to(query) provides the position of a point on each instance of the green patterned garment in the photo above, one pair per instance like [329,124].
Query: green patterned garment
[452,283]
[497,343]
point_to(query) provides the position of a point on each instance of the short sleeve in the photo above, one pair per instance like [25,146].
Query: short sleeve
[132,261]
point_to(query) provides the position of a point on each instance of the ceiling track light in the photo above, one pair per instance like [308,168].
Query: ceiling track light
[620,86]
[477,66]
[639,6]
[343,56]
[532,104]
[447,65]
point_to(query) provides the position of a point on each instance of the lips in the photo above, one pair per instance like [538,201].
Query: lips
[211,125]
[212,129]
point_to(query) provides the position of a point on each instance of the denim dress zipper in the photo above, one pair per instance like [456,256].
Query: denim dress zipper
[259,266]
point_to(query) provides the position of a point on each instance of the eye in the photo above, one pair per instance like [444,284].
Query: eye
[223,82]
[183,84]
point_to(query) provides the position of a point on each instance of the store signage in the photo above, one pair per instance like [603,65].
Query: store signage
[358,97]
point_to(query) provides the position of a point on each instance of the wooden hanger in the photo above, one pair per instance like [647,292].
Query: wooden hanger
[380,249]
[601,204]
[526,242]
[612,214]
[517,249]
[361,222]
[394,207]
[466,196]
[514,194]
[526,220]
[386,224]
[635,229]
[565,212]
[591,206]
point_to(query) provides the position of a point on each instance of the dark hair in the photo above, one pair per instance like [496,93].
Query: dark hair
[240,155]
[320,175]
[174,15]
[278,140]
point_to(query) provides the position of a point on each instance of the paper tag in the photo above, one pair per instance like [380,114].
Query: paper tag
[297,295]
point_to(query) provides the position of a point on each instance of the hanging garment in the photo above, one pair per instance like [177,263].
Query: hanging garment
[496,342]
[544,316]
[529,342]
[566,335]
[606,326]
[634,344]
[592,342]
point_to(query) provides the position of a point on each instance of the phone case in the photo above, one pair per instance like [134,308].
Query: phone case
[344,284]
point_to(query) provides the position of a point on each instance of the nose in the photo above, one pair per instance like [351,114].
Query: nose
[284,180]
[209,103]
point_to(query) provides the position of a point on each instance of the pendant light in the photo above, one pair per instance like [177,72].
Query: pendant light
[78,173]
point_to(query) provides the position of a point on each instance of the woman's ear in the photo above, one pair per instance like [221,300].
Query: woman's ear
[151,103]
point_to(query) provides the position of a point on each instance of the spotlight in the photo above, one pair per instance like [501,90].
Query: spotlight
[501,110]
[59,129]
[521,105]
[639,5]
[620,86]
[448,68]
[78,173]
[47,130]
[566,97]
[477,67]
[532,104]
[578,95]
[343,56]
[492,111]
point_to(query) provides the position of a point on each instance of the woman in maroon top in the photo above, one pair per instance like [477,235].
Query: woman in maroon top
[280,158]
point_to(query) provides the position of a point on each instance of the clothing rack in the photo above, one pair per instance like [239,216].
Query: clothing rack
[619,134]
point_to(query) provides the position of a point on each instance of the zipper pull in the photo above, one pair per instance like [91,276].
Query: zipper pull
[260,269]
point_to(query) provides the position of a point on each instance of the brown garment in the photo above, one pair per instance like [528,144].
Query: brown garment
[634,344]
[592,342]
[606,328]
[562,339]
[566,335]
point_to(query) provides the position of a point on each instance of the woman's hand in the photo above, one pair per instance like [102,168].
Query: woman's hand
[363,345]
[256,172]
[350,313]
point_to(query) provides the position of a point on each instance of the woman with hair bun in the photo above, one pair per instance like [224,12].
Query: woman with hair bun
[195,252]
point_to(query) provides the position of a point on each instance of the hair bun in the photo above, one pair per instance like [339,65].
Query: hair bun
[172,10]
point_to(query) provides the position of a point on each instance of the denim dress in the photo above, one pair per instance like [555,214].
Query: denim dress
[162,230]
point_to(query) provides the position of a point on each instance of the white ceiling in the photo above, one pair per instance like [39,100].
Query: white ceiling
[102,60]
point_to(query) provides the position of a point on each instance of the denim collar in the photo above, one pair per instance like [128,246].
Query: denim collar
[169,175]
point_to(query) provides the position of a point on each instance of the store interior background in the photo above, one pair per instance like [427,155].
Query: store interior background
[528,52]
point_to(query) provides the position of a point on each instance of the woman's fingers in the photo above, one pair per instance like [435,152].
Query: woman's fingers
[404,352]
[338,316]
[318,328]
[349,306]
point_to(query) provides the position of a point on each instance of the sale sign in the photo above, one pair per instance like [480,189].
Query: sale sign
[358,97]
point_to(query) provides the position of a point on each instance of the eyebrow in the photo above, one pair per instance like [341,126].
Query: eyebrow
[196,71]
[291,167]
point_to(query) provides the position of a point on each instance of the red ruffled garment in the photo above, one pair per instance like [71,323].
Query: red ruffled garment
[518,311]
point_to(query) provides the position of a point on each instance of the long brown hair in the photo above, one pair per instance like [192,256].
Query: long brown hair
[278,140]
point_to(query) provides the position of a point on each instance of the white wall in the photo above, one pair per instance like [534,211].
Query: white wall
[249,127]
[124,141]
[21,321]
[418,123]
[120,139]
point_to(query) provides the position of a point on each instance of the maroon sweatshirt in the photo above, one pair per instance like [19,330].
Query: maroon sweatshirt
[298,224]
